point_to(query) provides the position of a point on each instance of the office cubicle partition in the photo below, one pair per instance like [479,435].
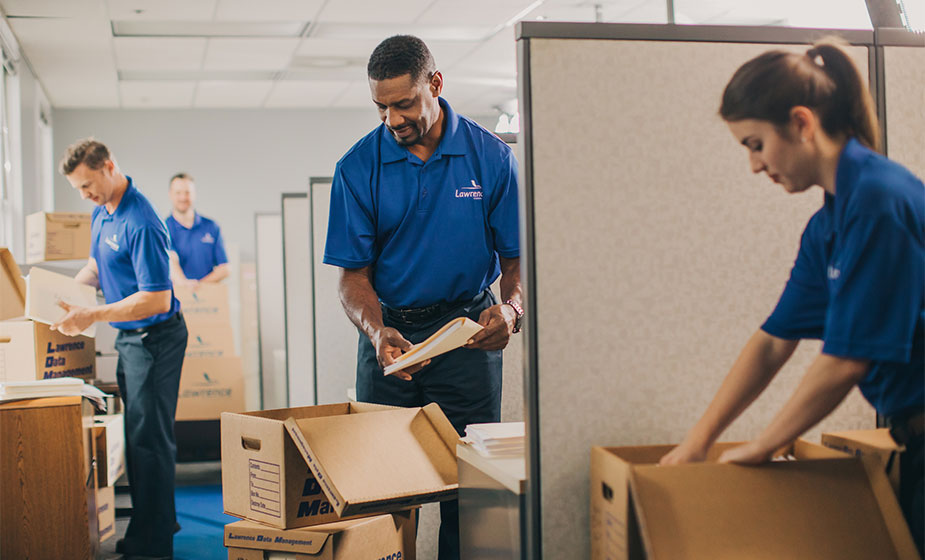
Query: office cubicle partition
[297,294]
[651,252]
[270,310]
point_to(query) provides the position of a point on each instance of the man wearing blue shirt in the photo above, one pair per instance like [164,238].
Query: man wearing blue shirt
[129,262]
[423,219]
[198,250]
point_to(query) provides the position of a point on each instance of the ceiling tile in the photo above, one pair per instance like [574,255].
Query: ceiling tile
[475,12]
[157,94]
[268,10]
[161,10]
[357,96]
[316,93]
[249,54]
[52,8]
[373,11]
[379,31]
[495,57]
[142,53]
[346,48]
[231,94]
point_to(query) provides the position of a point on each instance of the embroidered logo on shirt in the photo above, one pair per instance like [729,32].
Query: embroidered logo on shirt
[474,192]
[113,242]
[834,273]
[207,238]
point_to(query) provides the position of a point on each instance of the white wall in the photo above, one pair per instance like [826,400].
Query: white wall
[242,160]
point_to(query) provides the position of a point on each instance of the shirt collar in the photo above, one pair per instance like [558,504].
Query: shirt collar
[123,202]
[452,142]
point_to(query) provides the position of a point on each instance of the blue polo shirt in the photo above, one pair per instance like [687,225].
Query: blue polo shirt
[858,280]
[431,230]
[130,248]
[200,248]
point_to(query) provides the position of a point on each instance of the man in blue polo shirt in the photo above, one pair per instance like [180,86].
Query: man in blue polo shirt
[423,219]
[129,262]
[198,250]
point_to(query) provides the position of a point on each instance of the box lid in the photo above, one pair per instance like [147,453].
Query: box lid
[12,287]
[247,534]
[45,288]
[380,461]
[67,216]
[812,509]
[874,439]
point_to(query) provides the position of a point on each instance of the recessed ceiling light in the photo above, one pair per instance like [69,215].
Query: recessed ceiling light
[129,28]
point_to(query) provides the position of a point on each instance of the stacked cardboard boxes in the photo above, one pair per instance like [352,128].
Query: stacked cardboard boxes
[56,236]
[29,349]
[108,435]
[212,381]
[302,475]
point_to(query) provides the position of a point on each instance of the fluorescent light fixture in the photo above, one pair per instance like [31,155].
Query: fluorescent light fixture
[196,75]
[131,28]
[376,32]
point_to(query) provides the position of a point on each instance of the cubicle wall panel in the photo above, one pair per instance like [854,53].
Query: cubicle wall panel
[300,351]
[272,327]
[657,255]
[904,69]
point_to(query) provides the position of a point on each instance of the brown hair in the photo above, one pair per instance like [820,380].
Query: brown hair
[181,175]
[824,79]
[88,151]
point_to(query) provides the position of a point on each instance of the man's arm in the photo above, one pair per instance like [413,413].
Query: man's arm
[137,306]
[499,320]
[219,273]
[89,274]
[364,310]
[757,364]
[825,385]
[176,271]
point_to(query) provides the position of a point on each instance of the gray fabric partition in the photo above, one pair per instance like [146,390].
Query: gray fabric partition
[270,310]
[651,251]
[297,295]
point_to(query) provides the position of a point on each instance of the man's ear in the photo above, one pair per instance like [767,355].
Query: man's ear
[436,83]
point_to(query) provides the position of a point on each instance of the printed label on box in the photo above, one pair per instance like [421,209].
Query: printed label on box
[264,480]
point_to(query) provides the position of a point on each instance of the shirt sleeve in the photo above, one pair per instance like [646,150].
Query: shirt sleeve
[876,291]
[351,236]
[503,217]
[218,251]
[801,310]
[150,260]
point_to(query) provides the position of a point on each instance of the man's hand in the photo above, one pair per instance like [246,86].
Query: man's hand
[499,321]
[75,321]
[187,283]
[390,345]
[751,453]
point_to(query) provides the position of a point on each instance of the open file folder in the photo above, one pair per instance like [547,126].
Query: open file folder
[450,337]
[44,289]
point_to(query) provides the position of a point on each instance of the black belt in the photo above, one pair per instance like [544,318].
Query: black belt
[413,315]
[907,427]
[175,318]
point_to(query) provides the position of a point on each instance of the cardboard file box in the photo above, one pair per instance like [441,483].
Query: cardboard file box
[206,304]
[822,506]
[56,236]
[209,387]
[875,444]
[109,432]
[210,341]
[106,511]
[30,351]
[390,536]
[12,287]
[306,466]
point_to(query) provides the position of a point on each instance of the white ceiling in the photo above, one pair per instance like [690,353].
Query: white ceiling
[178,61]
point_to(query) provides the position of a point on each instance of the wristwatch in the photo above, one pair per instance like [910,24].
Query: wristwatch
[518,323]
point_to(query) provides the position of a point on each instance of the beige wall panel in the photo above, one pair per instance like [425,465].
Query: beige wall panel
[658,254]
[905,106]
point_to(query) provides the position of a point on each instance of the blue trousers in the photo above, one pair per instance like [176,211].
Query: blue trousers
[148,373]
[465,383]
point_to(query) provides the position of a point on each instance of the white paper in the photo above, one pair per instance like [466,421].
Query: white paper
[44,289]
[450,337]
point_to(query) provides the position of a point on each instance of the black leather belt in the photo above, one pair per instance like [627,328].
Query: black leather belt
[175,318]
[413,315]
[907,427]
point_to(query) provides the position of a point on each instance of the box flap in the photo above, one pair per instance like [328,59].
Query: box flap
[377,458]
[246,534]
[875,439]
[790,509]
[12,287]
[45,288]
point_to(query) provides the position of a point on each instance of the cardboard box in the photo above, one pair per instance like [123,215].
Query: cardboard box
[204,305]
[390,536]
[106,511]
[106,368]
[210,341]
[30,350]
[44,289]
[12,287]
[875,444]
[209,387]
[824,505]
[56,236]
[361,459]
[109,432]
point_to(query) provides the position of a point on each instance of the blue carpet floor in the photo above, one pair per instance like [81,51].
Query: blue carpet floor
[199,512]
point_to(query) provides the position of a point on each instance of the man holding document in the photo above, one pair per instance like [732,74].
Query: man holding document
[423,220]
[129,262]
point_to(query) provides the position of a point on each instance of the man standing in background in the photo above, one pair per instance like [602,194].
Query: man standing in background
[129,262]
[198,250]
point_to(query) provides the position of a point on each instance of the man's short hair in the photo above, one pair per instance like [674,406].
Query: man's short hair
[181,175]
[87,151]
[399,55]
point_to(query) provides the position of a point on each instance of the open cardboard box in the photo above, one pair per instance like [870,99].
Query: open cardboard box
[12,287]
[877,444]
[316,464]
[823,505]
[390,536]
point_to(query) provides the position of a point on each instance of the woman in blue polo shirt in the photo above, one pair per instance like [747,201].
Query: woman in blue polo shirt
[857,283]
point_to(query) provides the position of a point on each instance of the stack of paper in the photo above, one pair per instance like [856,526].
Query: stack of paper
[44,289]
[500,439]
[451,336]
[60,387]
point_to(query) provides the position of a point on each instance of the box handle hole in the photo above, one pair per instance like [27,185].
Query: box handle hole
[607,491]
[250,443]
